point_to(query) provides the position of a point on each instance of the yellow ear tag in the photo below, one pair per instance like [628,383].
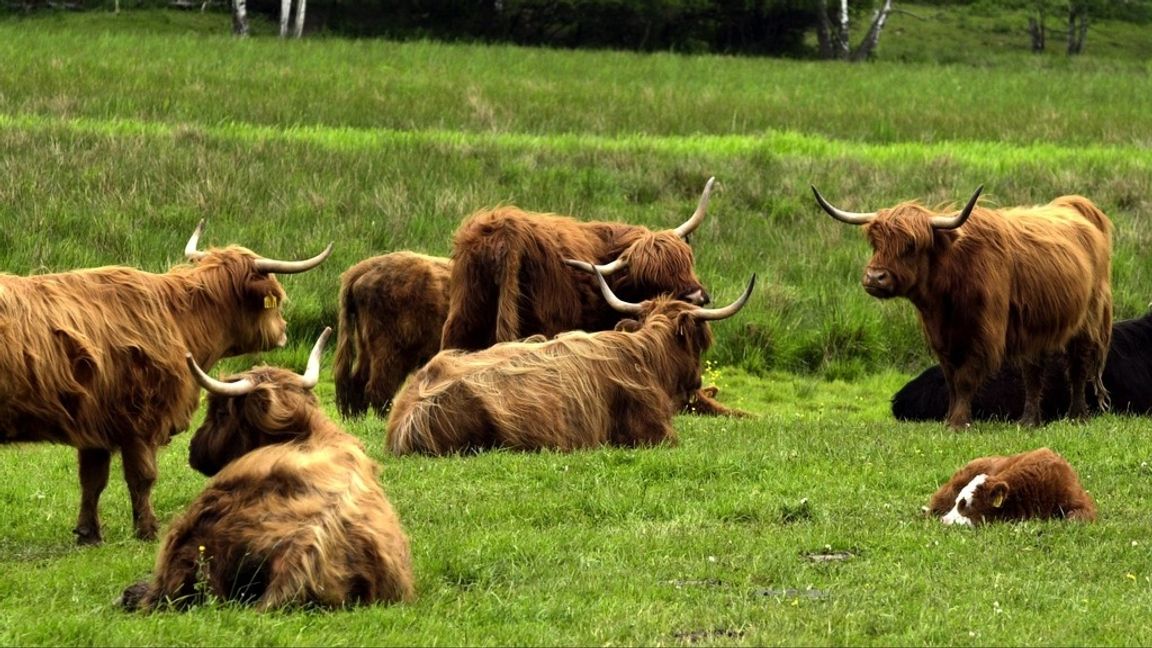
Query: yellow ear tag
[998,502]
[270,301]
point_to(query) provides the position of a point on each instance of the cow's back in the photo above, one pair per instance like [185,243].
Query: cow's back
[88,356]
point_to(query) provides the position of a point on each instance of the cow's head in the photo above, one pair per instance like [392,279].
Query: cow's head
[905,240]
[660,262]
[688,322]
[250,280]
[259,407]
[978,501]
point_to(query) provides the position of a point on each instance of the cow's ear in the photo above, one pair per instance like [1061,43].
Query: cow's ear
[943,239]
[264,292]
[997,493]
[627,325]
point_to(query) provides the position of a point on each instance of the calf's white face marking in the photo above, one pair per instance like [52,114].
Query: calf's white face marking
[954,516]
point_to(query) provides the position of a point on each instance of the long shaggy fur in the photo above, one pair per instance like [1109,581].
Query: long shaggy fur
[509,279]
[1018,285]
[294,516]
[578,390]
[392,310]
[95,359]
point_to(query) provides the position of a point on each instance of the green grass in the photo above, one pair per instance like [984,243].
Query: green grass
[118,133]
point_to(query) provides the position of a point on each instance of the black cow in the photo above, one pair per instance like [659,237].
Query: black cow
[1127,376]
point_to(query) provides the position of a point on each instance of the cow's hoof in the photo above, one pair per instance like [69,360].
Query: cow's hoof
[146,532]
[87,536]
[133,595]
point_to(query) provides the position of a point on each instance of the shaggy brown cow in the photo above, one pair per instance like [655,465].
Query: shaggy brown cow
[1020,284]
[95,358]
[511,277]
[1034,484]
[577,390]
[392,310]
[294,515]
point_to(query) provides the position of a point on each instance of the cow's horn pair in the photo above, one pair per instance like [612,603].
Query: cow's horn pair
[699,313]
[262,264]
[860,218]
[683,231]
[308,379]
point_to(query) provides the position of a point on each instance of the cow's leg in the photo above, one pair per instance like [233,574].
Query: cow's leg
[1032,371]
[1085,364]
[94,464]
[962,385]
[140,474]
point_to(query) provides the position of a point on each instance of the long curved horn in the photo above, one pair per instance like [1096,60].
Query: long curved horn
[615,302]
[312,372]
[729,310]
[692,223]
[852,218]
[606,269]
[190,251]
[238,388]
[952,222]
[293,267]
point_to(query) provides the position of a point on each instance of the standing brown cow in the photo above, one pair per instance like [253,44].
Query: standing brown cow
[578,390]
[392,310]
[1019,284]
[511,275]
[95,358]
[294,514]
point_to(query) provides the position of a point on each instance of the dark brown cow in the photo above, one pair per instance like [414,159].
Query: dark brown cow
[294,515]
[1021,284]
[577,390]
[392,310]
[511,275]
[1034,484]
[95,358]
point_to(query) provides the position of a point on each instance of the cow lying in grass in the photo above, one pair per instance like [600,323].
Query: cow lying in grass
[392,309]
[1034,484]
[1127,377]
[294,515]
[578,390]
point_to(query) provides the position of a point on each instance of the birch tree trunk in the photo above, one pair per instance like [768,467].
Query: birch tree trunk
[301,6]
[868,45]
[844,45]
[240,18]
[285,9]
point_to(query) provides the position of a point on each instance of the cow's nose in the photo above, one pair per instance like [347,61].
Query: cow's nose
[879,278]
[698,297]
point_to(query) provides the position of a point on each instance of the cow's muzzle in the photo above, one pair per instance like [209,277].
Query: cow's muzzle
[878,283]
[699,297]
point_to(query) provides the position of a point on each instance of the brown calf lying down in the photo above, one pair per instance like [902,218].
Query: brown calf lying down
[1034,484]
[577,390]
[294,515]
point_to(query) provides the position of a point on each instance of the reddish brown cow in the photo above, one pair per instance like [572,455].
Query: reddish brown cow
[392,309]
[1034,484]
[511,277]
[577,390]
[1021,284]
[95,358]
[294,515]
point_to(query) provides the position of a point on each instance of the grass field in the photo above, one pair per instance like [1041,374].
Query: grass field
[118,133]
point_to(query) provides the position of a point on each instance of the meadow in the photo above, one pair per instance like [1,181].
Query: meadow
[799,526]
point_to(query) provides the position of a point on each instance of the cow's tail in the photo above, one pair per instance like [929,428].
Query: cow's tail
[508,326]
[350,380]
[411,432]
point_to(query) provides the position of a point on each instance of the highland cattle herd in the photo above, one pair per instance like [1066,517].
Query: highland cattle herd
[540,332]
